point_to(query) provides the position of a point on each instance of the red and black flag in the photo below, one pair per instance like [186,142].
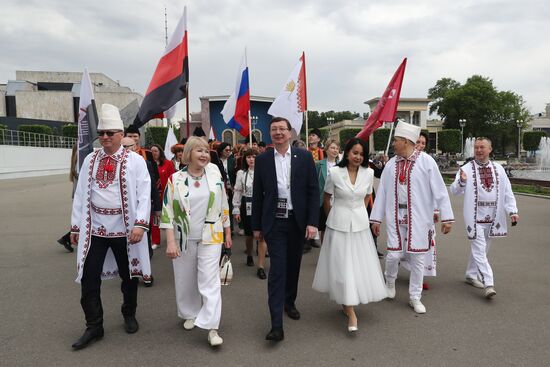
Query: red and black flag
[169,82]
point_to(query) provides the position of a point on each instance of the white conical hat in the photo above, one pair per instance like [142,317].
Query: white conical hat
[109,118]
[407,131]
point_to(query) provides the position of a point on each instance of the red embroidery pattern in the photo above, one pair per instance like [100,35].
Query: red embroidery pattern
[492,231]
[75,229]
[102,232]
[142,223]
[134,262]
[106,172]
[486,177]
[106,211]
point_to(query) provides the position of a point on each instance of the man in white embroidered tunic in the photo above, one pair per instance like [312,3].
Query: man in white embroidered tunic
[409,186]
[110,214]
[488,201]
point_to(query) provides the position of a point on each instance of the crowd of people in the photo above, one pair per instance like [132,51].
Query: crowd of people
[284,198]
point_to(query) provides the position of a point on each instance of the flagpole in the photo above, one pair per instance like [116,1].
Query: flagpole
[389,139]
[305,89]
[187,107]
[250,127]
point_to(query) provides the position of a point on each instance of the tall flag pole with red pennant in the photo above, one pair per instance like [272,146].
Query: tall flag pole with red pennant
[169,83]
[386,109]
[291,103]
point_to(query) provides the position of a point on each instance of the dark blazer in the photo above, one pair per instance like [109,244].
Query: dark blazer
[304,190]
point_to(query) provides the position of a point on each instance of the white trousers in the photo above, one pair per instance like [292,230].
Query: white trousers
[416,266]
[198,286]
[478,264]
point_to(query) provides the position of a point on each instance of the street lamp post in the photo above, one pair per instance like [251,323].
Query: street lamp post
[518,124]
[462,123]
[330,121]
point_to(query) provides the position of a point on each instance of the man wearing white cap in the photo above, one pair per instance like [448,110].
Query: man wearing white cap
[409,186]
[110,214]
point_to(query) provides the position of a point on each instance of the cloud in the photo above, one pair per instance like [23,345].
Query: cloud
[352,47]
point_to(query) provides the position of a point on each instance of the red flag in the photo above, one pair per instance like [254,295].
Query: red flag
[386,109]
[169,82]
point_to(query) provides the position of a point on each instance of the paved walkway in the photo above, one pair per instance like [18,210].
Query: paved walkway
[41,315]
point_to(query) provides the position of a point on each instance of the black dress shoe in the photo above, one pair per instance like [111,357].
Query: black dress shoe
[149,282]
[130,324]
[261,273]
[65,244]
[293,313]
[90,334]
[249,261]
[276,335]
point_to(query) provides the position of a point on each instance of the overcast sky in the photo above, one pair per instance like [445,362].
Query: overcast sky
[352,47]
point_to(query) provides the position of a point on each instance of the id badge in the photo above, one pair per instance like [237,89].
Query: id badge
[248,209]
[281,211]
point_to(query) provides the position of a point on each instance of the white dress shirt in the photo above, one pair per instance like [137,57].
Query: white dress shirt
[282,169]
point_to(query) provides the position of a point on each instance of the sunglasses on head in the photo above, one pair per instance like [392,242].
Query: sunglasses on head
[108,133]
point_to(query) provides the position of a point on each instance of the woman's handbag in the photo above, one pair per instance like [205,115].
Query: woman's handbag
[226,269]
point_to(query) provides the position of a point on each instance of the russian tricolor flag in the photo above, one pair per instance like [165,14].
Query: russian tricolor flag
[237,108]
[169,82]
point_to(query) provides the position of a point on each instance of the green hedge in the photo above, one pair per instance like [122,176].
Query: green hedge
[531,140]
[380,137]
[32,139]
[449,141]
[3,127]
[38,129]
[157,135]
[70,131]
[347,134]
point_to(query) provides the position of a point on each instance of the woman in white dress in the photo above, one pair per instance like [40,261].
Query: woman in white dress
[348,268]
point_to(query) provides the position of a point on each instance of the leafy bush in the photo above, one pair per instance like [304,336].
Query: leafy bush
[449,141]
[70,131]
[37,129]
[347,134]
[531,140]
[156,135]
[380,137]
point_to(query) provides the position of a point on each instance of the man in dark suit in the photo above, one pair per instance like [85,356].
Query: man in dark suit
[285,211]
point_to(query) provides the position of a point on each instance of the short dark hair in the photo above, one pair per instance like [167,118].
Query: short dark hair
[262,144]
[132,130]
[221,147]
[277,119]
[425,135]
[349,145]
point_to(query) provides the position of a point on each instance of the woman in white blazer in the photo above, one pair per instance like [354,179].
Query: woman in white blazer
[195,215]
[348,268]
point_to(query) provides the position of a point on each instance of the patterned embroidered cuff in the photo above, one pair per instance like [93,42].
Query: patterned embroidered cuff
[514,213]
[461,183]
[448,221]
[142,223]
[374,221]
[75,229]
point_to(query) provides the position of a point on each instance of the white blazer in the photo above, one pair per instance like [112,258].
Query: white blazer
[348,211]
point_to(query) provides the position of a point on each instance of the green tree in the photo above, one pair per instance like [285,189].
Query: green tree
[380,137]
[487,111]
[531,140]
[449,141]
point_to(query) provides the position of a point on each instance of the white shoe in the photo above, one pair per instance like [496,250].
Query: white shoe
[490,292]
[154,247]
[417,306]
[475,283]
[241,232]
[391,290]
[189,324]
[214,339]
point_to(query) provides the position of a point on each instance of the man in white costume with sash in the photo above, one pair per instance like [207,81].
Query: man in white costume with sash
[409,188]
[111,210]
[488,202]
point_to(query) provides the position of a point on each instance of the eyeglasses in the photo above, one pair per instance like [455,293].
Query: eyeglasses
[128,146]
[280,129]
[108,133]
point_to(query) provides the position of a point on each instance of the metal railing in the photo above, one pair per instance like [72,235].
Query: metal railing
[27,139]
